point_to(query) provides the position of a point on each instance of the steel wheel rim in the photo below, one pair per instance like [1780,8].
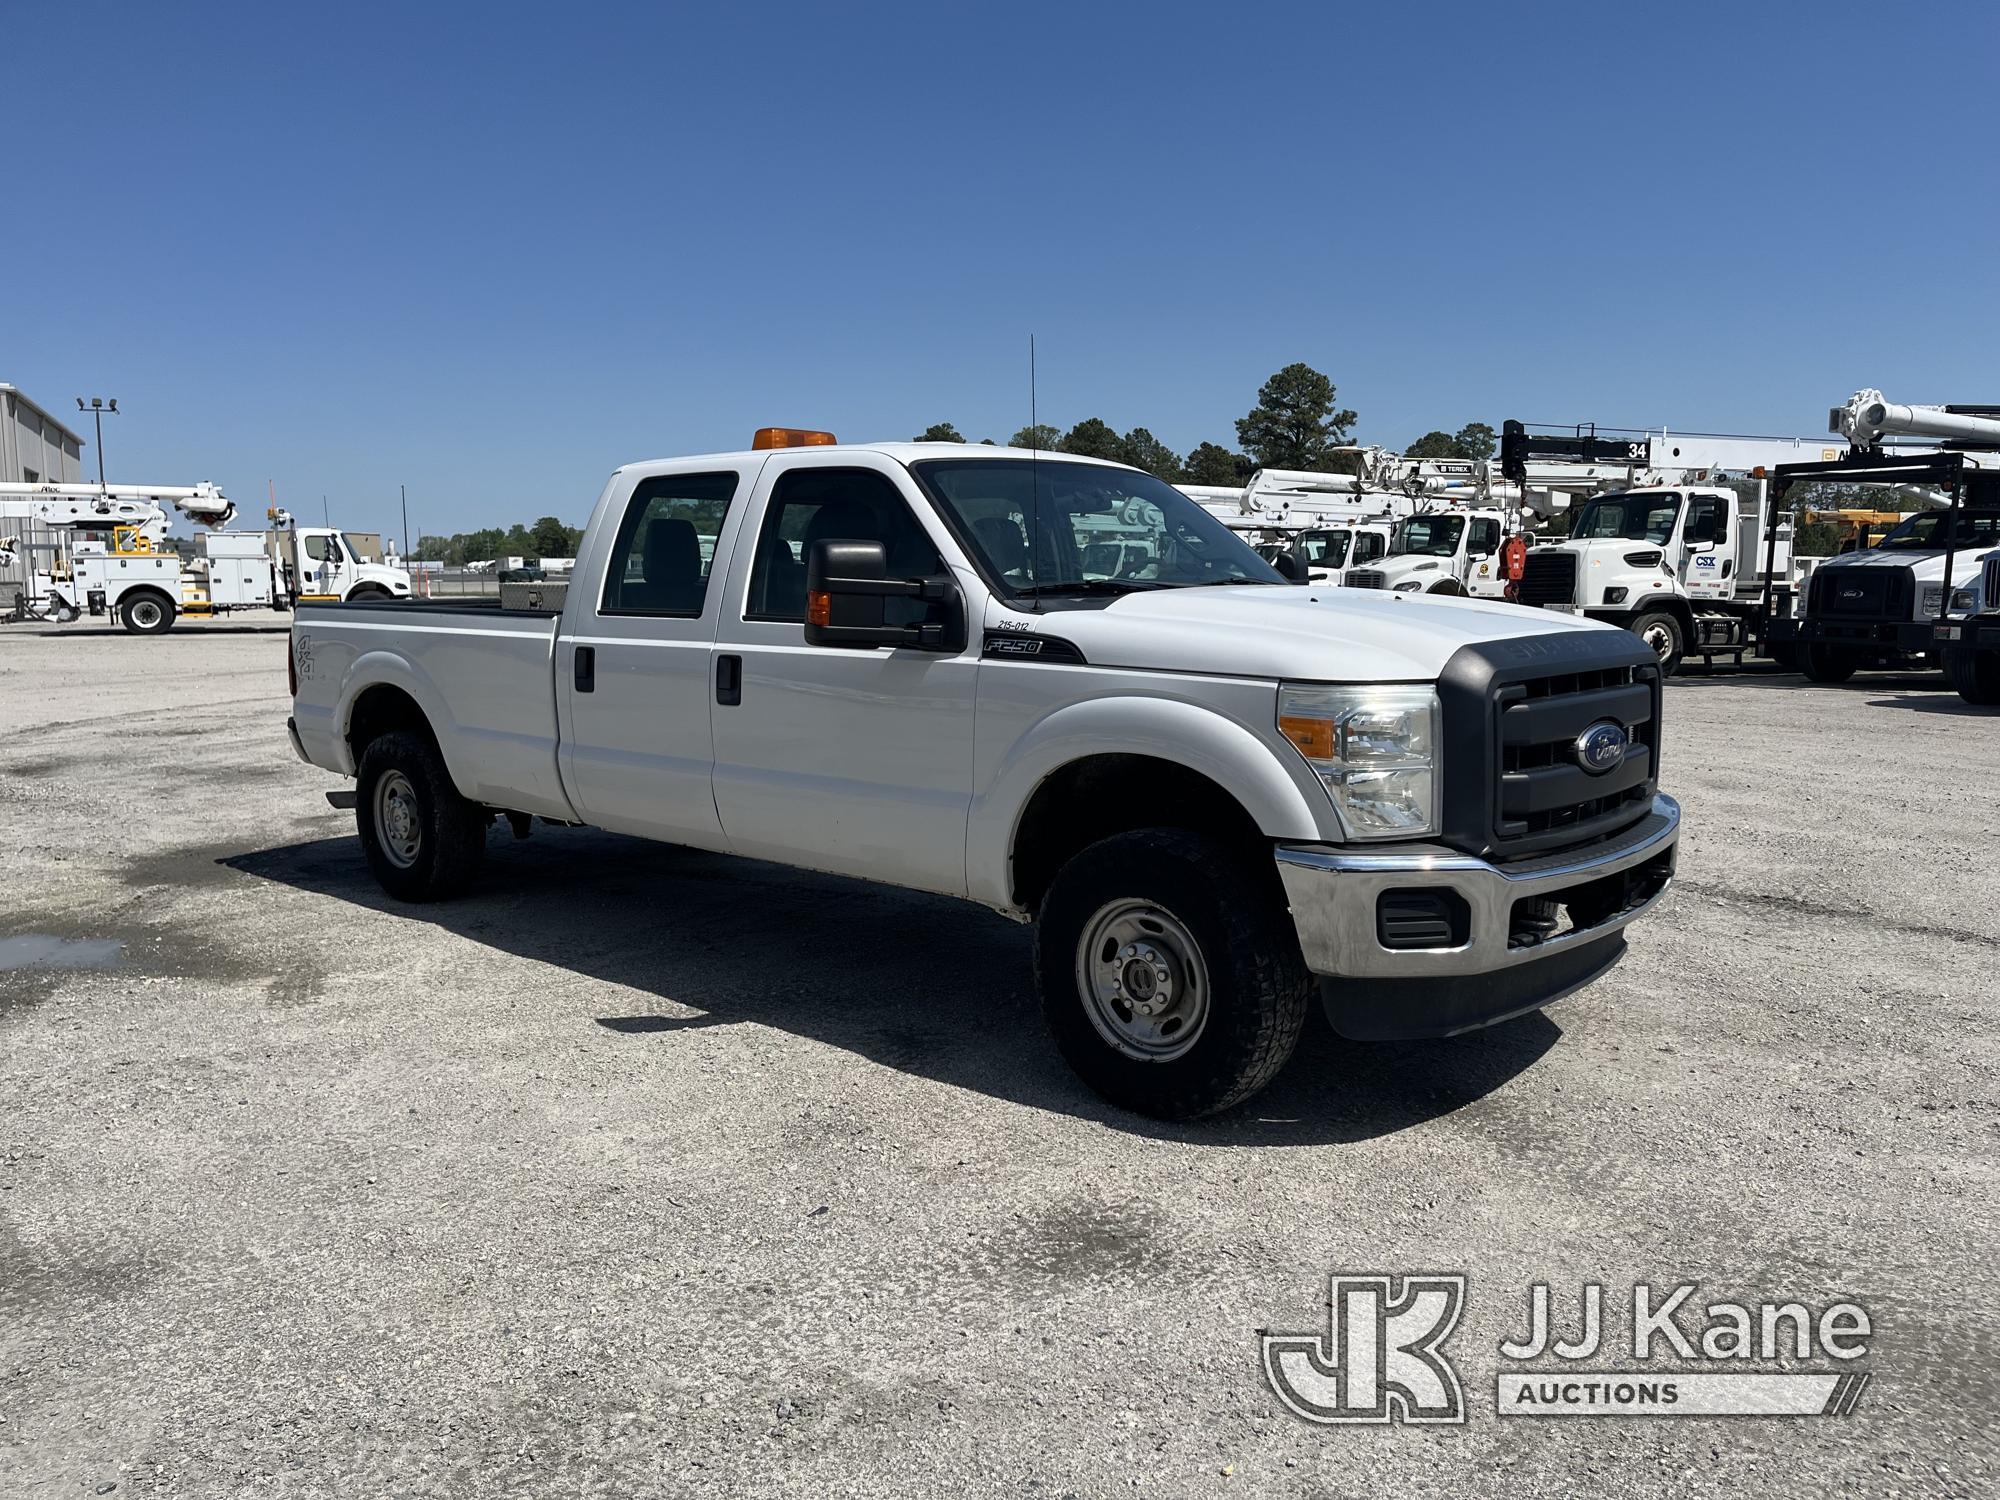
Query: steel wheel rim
[397,826]
[146,612]
[1143,980]
[1660,639]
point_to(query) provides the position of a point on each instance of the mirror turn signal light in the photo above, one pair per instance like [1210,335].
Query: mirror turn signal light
[790,437]
[819,608]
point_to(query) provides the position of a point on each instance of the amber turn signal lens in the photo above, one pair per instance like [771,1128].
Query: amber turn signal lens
[1312,736]
[790,437]
[819,608]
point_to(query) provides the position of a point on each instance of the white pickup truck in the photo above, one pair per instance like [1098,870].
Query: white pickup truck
[1213,790]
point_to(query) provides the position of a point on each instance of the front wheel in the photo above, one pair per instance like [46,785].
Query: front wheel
[1662,632]
[368,593]
[146,613]
[1824,663]
[1170,976]
[423,840]
[1976,675]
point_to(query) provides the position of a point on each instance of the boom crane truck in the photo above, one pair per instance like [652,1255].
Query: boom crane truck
[1890,604]
[103,550]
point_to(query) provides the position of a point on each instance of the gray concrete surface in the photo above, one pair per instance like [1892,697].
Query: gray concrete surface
[645,1172]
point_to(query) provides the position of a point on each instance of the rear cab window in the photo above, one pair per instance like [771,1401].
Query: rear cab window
[664,553]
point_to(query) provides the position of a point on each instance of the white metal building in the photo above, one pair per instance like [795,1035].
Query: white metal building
[34,447]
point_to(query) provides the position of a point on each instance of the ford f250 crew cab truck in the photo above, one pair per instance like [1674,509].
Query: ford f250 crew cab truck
[1214,791]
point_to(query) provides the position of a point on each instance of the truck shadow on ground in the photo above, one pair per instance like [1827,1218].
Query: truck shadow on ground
[930,986]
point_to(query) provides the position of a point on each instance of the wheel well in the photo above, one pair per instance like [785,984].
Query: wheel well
[144,588]
[381,710]
[1102,795]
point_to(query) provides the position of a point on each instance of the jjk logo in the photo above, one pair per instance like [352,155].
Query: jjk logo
[1379,1359]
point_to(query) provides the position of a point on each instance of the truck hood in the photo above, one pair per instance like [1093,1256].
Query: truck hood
[1408,565]
[1927,565]
[1310,633]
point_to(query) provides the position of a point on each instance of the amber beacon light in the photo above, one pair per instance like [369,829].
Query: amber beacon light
[790,437]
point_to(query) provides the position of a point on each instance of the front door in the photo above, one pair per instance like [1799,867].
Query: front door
[855,761]
[632,669]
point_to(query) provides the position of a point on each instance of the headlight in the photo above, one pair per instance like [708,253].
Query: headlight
[1409,585]
[1933,596]
[1965,601]
[1615,595]
[1375,749]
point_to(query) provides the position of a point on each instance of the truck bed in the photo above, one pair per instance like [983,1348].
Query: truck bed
[483,676]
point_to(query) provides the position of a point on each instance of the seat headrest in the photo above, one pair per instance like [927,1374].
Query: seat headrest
[672,550]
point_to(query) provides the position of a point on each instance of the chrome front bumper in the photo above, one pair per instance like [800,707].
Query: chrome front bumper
[1335,894]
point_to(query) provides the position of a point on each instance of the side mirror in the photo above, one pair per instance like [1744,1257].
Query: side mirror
[1288,568]
[847,588]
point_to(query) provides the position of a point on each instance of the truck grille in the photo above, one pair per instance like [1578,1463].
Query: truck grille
[1989,584]
[1862,593]
[1367,578]
[1514,712]
[1548,576]
[1544,788]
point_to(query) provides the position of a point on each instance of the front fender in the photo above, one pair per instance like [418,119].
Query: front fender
[1280,793]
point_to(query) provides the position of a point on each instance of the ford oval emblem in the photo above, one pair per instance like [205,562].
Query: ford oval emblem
[1602,747]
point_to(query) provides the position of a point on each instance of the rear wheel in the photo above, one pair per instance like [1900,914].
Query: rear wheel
[1169,974]
[1662,632]
[1976,675]
[146,613]
[1824,663]
[423,840]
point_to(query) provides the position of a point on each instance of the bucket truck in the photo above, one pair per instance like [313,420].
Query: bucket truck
[106,553]
[1889,604]
[1669,551]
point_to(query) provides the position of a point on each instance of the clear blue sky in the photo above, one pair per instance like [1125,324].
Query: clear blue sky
[494,252]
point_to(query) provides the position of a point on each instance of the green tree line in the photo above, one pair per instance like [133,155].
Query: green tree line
[548,537]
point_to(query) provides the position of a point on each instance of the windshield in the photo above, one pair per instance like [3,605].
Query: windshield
[1928,529]
[1095,527]
[1325,549]
[1631,518]
[1427,536]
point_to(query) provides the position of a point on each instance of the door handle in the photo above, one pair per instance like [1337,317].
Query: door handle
[729,680]
[586,669]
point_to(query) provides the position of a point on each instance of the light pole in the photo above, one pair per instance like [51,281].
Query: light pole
[97,408]
[404,491]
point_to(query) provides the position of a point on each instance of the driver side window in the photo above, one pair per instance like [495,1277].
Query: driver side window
[853,505]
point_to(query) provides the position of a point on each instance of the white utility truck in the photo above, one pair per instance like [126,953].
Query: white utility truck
[103,550]
[1212,789]
[1455,551]
[1887,605]
[1971,643]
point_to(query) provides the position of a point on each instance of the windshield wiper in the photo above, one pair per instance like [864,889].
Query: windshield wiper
[1089,586]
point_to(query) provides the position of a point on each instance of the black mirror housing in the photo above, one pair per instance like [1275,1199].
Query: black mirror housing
[848,588]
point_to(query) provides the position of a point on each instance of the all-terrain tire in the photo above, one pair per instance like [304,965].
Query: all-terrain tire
[424,841]
[1252,977]
[1824,663]
[1976,675]
[1662,631]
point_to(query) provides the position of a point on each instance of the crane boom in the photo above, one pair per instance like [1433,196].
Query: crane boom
[1868,417]
[120,504]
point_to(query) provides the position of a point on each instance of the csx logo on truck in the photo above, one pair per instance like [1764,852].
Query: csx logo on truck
[1706,560]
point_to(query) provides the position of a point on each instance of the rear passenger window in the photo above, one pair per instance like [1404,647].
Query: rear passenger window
[666,545]
[845,505]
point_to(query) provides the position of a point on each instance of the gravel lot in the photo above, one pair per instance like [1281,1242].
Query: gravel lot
[645,1172]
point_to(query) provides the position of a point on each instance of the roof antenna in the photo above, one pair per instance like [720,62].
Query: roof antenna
[1034,477]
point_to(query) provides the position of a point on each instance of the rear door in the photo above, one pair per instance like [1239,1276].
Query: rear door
[857,761]
[633,668]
